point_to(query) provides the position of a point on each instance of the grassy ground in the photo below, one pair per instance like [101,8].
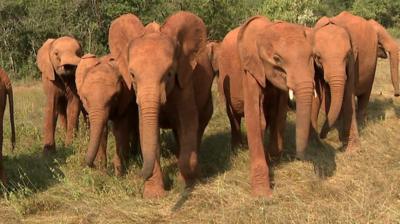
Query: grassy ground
[335,187]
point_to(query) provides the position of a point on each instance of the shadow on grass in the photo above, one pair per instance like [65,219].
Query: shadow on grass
[215,154]
[34,170]
[377,108]
[321,155]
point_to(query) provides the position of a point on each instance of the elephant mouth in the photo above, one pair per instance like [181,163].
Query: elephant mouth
[67,69]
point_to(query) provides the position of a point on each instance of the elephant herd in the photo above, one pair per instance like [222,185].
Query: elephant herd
[160,76]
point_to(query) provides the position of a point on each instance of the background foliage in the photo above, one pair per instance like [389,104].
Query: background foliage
[26,24]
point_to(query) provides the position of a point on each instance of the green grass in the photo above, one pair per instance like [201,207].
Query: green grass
[335,187]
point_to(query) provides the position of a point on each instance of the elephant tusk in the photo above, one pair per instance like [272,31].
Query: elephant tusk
[315,93]
[291,95]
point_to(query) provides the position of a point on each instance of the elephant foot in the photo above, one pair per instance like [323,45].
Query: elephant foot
[118,171]
[49,149]
[300,155]
[261,191]
[153,190]
[352,147]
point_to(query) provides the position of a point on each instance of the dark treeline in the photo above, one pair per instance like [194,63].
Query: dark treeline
[26,24]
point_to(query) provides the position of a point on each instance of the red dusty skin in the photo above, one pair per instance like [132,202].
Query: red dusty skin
[98,121]
[304,94]
[336,84]
[149,133]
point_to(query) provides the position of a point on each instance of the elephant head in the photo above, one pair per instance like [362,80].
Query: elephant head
[59,56]
[334,58]
[281,53]
[387,43]
[155,60]
[99,86]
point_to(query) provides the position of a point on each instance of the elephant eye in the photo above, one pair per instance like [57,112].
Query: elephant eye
[277,59]
[132,75]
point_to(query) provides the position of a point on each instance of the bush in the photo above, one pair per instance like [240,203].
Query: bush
[295,11]
[26,24]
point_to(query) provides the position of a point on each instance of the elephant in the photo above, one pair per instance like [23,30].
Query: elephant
[368,44]
[57,60]
[158,62]
[277,58]
[105,97]
[386,43]
[334,73]
[230,83]
[5,91]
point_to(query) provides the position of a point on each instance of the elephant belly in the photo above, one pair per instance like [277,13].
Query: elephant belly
[366,76]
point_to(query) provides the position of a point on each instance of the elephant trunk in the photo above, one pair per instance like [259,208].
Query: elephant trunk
[394,69]
[98,121]
[336,84]
[304,94]
[149,108]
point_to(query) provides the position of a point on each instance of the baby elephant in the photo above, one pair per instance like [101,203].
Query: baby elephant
[57,60]
[105,96]
[5,90]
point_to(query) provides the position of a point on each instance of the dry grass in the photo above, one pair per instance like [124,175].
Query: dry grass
[335,187]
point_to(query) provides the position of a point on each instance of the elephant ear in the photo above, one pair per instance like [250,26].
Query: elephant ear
[87,62]
[247,42]
[122,31]
[190,34]
[43,60]
[212,53]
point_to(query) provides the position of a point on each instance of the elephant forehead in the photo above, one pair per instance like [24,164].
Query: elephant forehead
[293,49]
[102,75]
[66,43]
[153,43]
[150,51]
[332,35]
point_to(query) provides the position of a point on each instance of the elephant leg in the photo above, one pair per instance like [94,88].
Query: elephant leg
[362,103]
[255,123]
[101,156]
[72,118]
[235,121]
[188,145]
[3,177]
[62,113]
[327,103]
[154,186]
[122,135]
[50,119]
[122,145]
[277,125]
[205,117]
[315,108]
[176,137]
[349,134]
